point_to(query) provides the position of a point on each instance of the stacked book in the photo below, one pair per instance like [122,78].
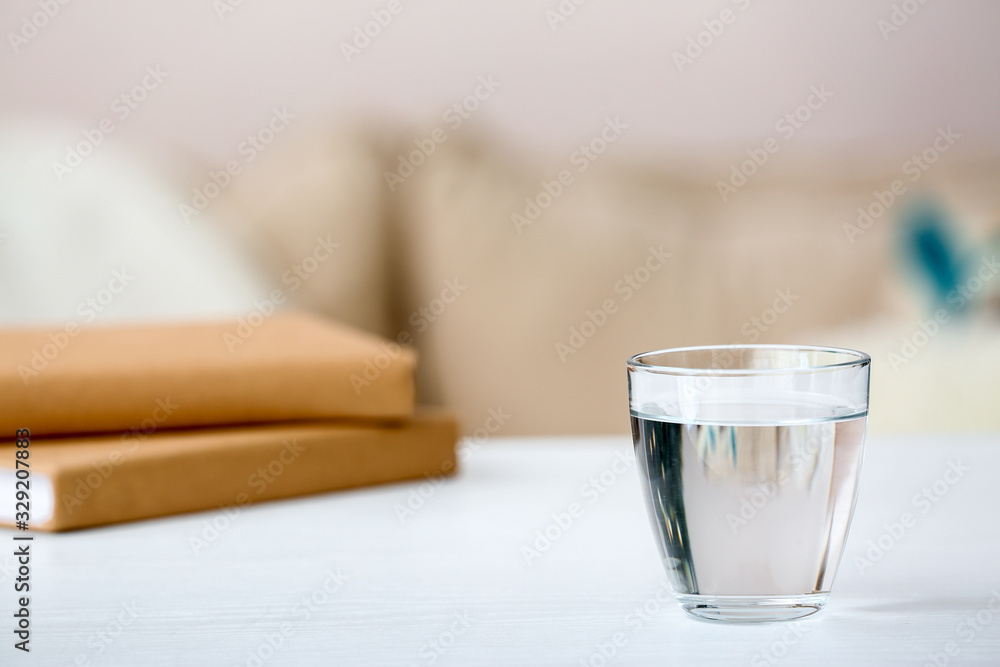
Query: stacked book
[138,422]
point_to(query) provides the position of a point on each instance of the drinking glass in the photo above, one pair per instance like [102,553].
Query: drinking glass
[749,457]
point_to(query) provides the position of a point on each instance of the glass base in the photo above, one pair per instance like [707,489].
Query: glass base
[752,608]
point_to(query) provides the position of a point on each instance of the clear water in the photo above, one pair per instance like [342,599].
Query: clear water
[750,508]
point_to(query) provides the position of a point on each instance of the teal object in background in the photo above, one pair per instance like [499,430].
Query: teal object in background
[930,246]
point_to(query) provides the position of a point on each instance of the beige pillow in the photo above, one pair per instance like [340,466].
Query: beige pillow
[311,209]
[549,314]
[523,324]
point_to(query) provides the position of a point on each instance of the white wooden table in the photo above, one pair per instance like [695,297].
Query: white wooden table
[341,579]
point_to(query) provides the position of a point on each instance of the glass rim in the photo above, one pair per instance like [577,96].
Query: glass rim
[858,359]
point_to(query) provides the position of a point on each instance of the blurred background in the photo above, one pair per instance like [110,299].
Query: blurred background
[528,192]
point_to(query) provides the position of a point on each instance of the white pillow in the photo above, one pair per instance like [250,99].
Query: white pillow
[104,241]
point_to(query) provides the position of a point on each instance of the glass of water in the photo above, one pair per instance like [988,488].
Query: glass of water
[749,458]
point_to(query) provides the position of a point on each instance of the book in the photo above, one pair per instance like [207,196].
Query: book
[286,367]
[95,480]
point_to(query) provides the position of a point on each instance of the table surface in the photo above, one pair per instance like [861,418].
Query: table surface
[436,573]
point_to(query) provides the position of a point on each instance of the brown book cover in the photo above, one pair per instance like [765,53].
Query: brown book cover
[90,481]
[289,366]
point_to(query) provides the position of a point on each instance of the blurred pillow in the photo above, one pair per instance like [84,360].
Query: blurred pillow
[98,238]
[311,209]
[563,279]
